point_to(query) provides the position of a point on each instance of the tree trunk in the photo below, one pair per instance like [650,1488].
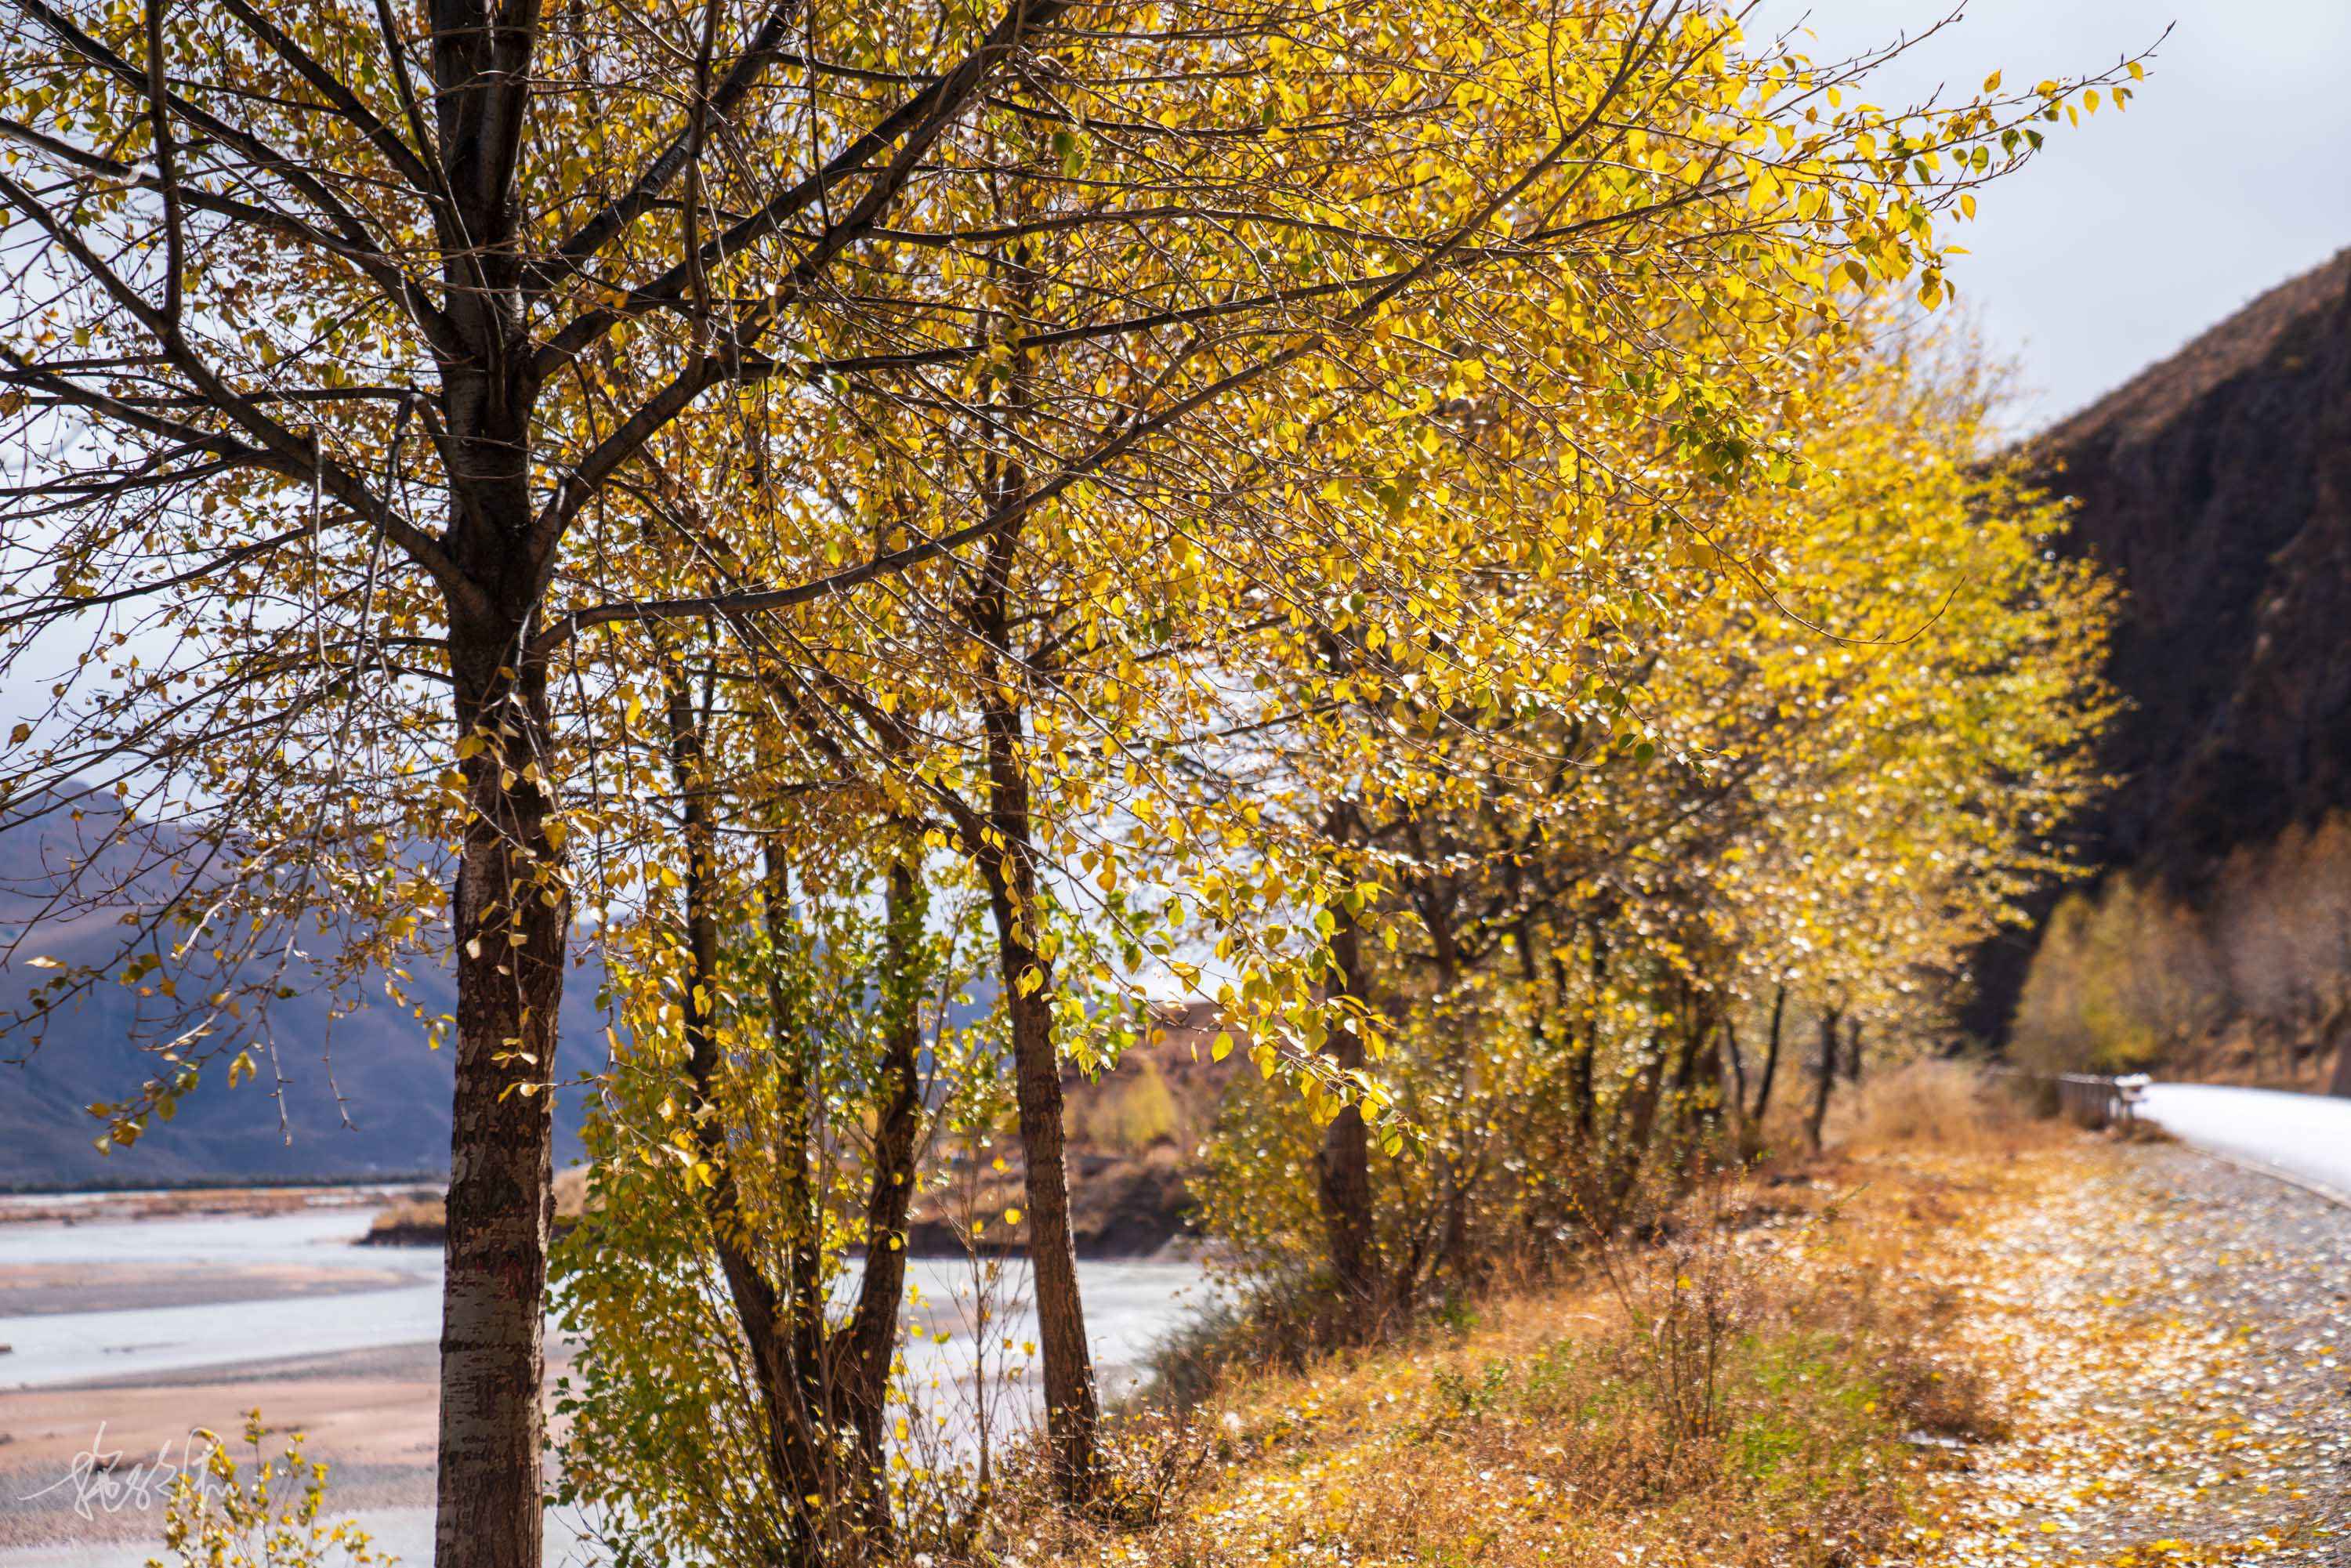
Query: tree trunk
[768,1319]
[1695,1027]
[1342,1166]
[2340,1086]
[1826,1080]
[1584,1062]
[1634,1124]
[1771,1056]
[1451,1254]
[873,1328]
[1008,861]
[1710,1077]
[1073,1411]
[1853,1051]
[511,913]
[803,1391]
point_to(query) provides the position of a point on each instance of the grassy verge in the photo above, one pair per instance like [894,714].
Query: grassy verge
[1762,1383]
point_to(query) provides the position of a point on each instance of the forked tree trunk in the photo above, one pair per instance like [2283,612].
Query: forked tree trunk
[770,1320]
[805,1394]
[511,914]
[813,1389]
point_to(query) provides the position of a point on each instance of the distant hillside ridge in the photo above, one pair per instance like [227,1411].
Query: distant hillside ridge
[2216,486]
[374,1106]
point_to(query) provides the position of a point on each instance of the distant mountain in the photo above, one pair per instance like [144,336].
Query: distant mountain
[393,1090]
[2216,486]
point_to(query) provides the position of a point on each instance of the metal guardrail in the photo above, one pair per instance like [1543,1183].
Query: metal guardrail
[2096,1100]
[2090,1099]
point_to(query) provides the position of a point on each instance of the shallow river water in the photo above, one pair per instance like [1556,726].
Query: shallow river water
[391,1298]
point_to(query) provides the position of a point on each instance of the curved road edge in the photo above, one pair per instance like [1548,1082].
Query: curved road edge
[2302,1139]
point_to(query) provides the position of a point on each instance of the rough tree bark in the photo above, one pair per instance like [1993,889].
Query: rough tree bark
[512,914]
[512,905]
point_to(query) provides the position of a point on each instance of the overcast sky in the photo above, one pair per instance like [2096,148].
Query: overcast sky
[2231,171]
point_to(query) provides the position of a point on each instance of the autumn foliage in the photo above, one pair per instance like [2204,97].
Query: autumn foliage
[916,531]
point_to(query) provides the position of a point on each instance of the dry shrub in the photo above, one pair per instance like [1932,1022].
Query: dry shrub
[415,1221]
[1782,1135]
[1937,1103]
[2250,982]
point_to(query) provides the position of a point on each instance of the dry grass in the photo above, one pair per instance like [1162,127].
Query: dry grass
[1934,1104]
[1754,1385]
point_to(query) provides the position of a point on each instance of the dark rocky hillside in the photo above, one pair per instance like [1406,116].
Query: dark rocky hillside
[2216,486]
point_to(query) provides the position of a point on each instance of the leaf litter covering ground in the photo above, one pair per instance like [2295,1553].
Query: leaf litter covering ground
[2173,1335]
[2160,1340]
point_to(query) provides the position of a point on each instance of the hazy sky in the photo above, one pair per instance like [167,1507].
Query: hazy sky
[2231,171]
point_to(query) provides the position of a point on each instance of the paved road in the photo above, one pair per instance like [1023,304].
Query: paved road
[2308,1135]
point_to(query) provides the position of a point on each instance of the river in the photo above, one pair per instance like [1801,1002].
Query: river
[196,1319]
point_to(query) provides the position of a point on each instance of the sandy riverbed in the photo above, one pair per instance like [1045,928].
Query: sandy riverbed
[131,1328]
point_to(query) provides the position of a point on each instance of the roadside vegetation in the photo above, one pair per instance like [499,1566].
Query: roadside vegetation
[1755,1373]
